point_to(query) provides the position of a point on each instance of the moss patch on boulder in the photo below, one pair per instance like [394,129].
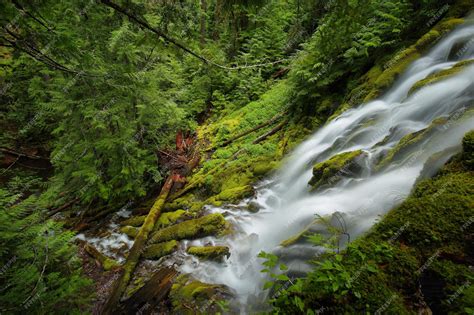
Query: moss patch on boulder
[332,170]
[441,75]
[209,252]
[204,226]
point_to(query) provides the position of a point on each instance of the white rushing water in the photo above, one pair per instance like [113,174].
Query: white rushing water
[286,204]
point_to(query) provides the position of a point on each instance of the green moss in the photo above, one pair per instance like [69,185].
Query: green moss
[159,250]
[334,169]
[109,264]
[130,231]
[468,150]
[189,202]
[408,142]
[134,221]
[195,228]
[263,168]
[209,252]
[441,75]
[393,70]
[169,218]
[190,296]
[235,194]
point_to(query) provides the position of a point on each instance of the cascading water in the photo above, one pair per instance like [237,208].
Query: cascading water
[286,204]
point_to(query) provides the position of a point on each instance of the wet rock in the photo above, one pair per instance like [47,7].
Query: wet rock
[272,201]
[347,164]
[253,207]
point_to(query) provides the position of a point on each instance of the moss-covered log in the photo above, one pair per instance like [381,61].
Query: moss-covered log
[204,226]
[156,251]
[106,262]
[137,248]
[209,252]
[152,293]
[130,231]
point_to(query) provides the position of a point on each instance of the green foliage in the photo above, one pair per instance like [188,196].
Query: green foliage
[40,271]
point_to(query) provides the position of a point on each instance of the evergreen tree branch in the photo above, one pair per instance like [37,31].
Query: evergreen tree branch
[173,41]
[22,9]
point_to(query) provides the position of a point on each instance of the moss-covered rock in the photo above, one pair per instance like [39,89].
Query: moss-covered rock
[408,142]
[190,296]
[130,231]
[209,252]
[159,250]
[264,167]
[441,75]
[204,226]
[334,169]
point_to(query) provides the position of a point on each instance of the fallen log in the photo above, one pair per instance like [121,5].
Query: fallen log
[63,207]
[271,132]
[106,262]
[138,247]
[247,132]
[152,293]
[21,154]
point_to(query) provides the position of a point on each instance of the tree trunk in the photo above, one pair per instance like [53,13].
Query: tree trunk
[271,132]
[138,247]
[203,22]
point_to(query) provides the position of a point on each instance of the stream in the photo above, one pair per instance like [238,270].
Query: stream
[286,205]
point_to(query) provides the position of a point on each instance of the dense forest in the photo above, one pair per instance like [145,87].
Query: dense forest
[237,157]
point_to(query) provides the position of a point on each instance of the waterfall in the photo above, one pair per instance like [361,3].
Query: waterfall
[286,203]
